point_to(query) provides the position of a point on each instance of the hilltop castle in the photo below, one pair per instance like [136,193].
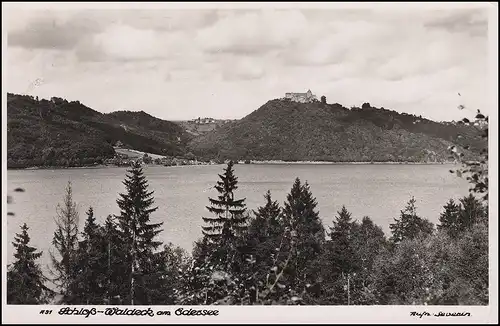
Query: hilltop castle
[301,97]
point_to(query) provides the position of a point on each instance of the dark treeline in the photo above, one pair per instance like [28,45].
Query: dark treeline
[274,255]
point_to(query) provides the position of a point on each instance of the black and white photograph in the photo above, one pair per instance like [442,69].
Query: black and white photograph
[226,154]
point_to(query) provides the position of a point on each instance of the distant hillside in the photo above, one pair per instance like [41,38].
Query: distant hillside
[291,131]
[62,133]
[201,126]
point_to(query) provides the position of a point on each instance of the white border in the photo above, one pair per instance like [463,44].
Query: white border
[278,314]
[262,314]
[248,5]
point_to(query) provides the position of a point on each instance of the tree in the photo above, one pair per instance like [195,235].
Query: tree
[323,99]
[408,274]
[469,267]
[476,170]
[472,211]
[306,228]
[368,242]
[90,229]
[90,284]
[263,244]
[146,159]
[65,241]
[341,235]
[173,265]
[409,225]
[116,271]
[448,218]
[138,236]
[268,220]
[340,261]
[195,279]
[25,280]
[263,255]
[458,218]
[229,220]
[435,270]
[220,250]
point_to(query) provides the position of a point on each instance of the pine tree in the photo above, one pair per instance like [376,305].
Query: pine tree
[267,222]
[263,245]
[220,250]
[368,242]
[25,280]
[460,217]
[116,264]
[229,220]
[471,212]
[91,277]
[449,218]
[342,239]
[65,241]
[138,236]
[91,228]
[339,261]
[308,234]
[263,231]
[410,225]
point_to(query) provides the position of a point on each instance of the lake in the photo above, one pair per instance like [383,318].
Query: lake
[379,191]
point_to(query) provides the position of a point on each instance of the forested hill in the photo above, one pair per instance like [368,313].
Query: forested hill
[60,133]
[286,130]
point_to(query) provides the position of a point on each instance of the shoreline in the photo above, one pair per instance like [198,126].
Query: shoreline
[270,162]
[350,163]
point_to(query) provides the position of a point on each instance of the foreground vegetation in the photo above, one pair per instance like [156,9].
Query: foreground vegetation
[279,255]
[275,255]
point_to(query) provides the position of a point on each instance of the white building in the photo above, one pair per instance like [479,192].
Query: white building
[301,97]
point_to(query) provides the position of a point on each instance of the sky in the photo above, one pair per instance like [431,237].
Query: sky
[225,63]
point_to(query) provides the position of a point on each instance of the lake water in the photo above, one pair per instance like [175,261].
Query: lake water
[181,193]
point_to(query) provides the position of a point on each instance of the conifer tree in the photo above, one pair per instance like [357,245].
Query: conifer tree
[91,228]
[460,217]
[91,277]
[219,252]
[138,236]
[116,264]
[267,222]
[264,230]
[342,236]
[223,232]
[262,245]
[368,242]
[25,280]
[65,241]
[472,211]
[340,260]
[448,218]
[410,225]
[229,220]
[307,230]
